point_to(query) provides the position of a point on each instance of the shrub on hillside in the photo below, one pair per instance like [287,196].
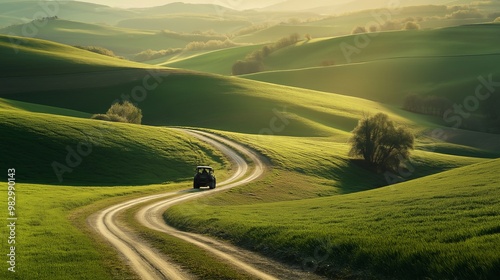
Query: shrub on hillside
[381,144]
[126,110]
[411,25]
[121,112]
[391,25]
[152,54]
[253,61]
[465,14]
[242,67]
[427,105]
[211,45]
[251,29]
[358,30]
[99,50]
[109,118]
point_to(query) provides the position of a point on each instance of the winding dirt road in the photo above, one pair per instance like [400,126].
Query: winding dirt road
[148,263]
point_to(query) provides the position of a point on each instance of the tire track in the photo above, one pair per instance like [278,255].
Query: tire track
[150,264]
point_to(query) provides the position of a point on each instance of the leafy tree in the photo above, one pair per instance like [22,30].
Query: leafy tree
[380,143]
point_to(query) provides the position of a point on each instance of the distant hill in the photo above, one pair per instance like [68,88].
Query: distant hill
[325,6]
[186,23]
[69,78]
[122,41]
[24,11]
[185,8]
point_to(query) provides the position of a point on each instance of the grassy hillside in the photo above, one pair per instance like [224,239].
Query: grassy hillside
[122,41]
[305,167]
[455,41]
[6,104]
[442,226]
[176,97]
[182,98]
[393,65]
[217,62]
[24,57]
[437,227]
[88,152]
[446,43]
[276,32]
[53,241]
[19,11]
[391,80]
[186,23]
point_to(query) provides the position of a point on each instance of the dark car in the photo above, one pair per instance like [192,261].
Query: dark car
[204,177]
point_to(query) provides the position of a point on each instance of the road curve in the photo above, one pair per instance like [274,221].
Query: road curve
[146,261]
[150,264]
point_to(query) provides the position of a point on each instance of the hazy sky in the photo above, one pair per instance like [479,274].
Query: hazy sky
[234,4]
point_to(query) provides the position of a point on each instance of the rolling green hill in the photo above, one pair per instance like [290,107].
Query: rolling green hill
[72,151]
[122,41]
[175,97]
[453,42]
[443,226]
[22,11]
[276,32]
[185,8]
[217,62]
[391,80]
[25,57]
[183,98]
[186,23]
[445,62]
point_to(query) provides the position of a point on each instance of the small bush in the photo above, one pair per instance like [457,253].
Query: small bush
[358,30]
[410,25]
[465,14]
[151,54]
[242,67]
[252,29]
[125,112]
[391,25]
[109,118]
[211,45]
[99,50]
[253,61]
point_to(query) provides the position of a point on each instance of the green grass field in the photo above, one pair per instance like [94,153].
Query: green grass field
[391,66]
[122,41]
[443,226]
[19,55]
[73,151]
[119,162]
[53,240]
[315,207]
[186,23]
[217,62]
[390,81]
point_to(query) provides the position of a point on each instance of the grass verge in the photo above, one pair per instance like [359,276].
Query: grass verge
[443,226]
